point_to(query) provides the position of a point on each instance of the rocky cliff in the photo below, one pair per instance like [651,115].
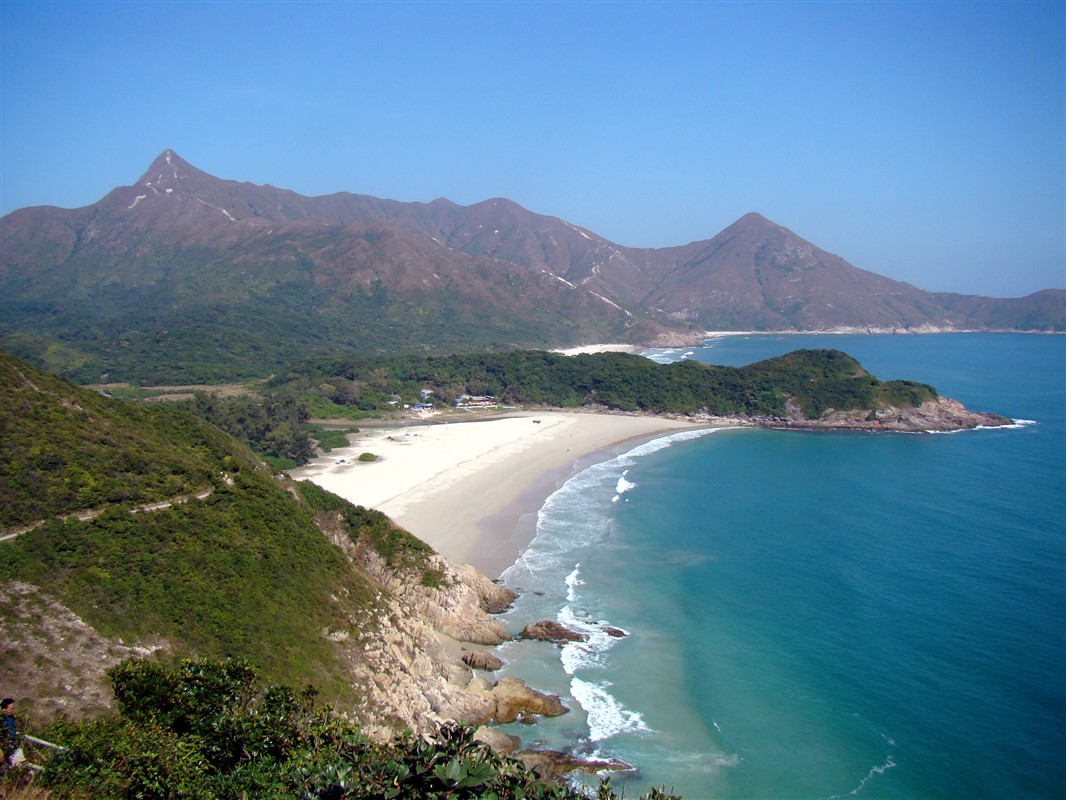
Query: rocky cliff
[405,662]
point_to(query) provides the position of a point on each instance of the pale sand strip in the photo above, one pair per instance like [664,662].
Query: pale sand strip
[601,348]
[465,487]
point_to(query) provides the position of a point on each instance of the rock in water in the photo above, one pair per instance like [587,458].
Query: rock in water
[496,739]
[548,763]
[514,698]
[549,631]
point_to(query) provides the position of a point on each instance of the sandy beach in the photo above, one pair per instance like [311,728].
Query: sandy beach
[472,489]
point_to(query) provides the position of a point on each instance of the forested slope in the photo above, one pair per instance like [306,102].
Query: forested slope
[806,381]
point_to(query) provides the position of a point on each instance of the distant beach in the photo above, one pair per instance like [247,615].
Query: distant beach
[466,488]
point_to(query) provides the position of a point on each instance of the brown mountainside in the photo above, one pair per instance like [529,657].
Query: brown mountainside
[180,258]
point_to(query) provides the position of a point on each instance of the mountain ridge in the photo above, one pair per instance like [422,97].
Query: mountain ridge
[180,257]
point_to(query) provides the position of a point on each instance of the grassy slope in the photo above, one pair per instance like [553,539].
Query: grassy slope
[65,449]
[244,571]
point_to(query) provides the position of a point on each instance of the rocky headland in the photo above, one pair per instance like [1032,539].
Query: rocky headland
[941,415]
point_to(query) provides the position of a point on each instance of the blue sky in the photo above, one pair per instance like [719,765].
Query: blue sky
[923,141]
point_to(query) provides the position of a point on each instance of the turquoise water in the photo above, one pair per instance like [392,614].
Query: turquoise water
[815,615]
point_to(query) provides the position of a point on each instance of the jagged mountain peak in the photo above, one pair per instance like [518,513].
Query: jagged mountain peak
[167,169]
[754,218]
[754,225]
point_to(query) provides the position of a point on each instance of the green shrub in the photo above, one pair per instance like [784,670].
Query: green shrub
[210,730]
[432,578]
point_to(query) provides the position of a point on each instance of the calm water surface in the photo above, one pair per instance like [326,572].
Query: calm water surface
[817,615]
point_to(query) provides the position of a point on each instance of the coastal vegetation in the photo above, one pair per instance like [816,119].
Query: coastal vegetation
[273,424]
[152,525]
[810,380]
[212,729]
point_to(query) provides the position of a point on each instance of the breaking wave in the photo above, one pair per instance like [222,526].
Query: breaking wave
[606,716]
[622,486]
[575,515]
[573,580]
[599,636]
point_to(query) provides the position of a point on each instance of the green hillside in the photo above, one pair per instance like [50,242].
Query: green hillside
[65,449]
[240,569]
[811,380]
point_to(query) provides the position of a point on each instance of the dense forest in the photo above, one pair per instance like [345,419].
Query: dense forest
[274,425]
[811,380]
[194,345]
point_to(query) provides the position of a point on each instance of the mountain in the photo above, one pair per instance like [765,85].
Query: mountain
[186,277]
[756,275]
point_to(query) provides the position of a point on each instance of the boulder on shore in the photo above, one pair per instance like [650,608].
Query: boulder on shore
[481,659]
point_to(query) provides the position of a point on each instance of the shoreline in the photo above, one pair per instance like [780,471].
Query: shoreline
[472,490]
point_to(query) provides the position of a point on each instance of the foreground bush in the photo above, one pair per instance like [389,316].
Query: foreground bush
[211,730]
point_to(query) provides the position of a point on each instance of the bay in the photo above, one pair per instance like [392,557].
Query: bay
[820,614]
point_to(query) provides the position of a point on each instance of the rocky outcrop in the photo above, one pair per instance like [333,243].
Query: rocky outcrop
[549,763]
[549,631]
[407,676]
[941,414]
[483,660]
[511,699]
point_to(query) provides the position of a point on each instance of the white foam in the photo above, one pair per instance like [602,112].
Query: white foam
[573,580]
[589,654]
[606,716]
[873,773]
[568,519]
[1017,425]
[622,486]
[666,355]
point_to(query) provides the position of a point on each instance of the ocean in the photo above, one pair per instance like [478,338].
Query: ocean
[819,615]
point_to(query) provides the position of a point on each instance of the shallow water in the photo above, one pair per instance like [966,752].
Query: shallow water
[820,615]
